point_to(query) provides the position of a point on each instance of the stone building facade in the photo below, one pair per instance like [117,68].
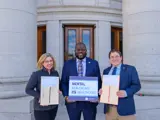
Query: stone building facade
[29,28]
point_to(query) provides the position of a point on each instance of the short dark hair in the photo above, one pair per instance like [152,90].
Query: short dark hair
[114,50]
[80,43]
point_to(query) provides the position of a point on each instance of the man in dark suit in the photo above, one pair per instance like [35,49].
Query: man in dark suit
[80,66]
[129,85]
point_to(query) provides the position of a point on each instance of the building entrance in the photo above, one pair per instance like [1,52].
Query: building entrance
[74,34]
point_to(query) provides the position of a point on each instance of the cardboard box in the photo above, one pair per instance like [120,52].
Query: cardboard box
[49,90]
[110,87]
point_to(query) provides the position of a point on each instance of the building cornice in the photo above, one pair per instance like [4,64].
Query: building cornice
[93,9]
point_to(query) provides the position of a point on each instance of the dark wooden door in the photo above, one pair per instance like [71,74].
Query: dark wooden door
[41,41]
[75,34]
[116,39]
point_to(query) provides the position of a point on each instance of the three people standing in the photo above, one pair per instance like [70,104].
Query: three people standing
[86,67]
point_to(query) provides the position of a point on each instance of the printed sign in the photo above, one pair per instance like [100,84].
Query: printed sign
[83,88]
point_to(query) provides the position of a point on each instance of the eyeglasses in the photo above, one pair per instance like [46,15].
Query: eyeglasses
[48,61]
[112,57]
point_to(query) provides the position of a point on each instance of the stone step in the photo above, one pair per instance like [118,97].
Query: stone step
[148,108]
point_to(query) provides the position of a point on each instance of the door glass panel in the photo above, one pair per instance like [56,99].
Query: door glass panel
[71,43]
[86,40]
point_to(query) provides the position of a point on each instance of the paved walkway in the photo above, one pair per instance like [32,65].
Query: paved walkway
[148,108]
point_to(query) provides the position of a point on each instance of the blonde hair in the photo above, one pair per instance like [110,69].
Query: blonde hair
[42,59]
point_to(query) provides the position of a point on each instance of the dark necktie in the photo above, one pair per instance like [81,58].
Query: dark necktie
[114,71]
[80,68]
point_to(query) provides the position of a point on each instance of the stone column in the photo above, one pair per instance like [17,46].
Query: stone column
[141,41]
[103,44]
[53,41]
[17,45]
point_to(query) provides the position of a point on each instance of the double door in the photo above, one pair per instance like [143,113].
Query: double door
[75,34]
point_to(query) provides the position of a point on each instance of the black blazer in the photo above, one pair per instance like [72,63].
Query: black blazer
[33,87]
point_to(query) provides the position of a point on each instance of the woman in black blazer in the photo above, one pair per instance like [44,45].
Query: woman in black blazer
[46,66]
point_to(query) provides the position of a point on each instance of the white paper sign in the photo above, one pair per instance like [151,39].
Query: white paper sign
[83,88]
[86,88]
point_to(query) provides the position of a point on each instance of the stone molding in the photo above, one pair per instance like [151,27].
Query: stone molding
[71,8]
[12,87]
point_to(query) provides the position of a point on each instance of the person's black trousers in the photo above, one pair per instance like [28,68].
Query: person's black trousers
[75,109]
[46,114]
